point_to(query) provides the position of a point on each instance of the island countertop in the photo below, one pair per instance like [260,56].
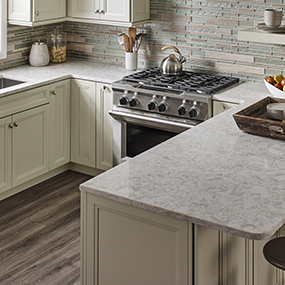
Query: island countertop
[212,175]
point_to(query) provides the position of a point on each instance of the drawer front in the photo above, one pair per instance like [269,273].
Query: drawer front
[24,100]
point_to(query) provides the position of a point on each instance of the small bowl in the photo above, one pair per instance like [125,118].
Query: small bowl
[274,90]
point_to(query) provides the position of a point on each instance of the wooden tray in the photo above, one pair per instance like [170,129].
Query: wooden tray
[253,120]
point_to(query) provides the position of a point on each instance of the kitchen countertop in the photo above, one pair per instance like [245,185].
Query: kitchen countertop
[72,68]
[213,175]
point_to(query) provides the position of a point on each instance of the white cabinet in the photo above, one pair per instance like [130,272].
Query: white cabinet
[107,11]
[83,122]
[91,124]
[122,244]
[32,12]
[221,106]
[59,134]
[104,126]
[5,154]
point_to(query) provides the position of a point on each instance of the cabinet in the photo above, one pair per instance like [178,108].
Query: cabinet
[59,132]
[83,122]
[128,11]
[31,12]
[221,106]
[91,125]
[104,126]
[138,246]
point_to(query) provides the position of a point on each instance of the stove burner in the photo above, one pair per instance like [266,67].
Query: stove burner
[188,81]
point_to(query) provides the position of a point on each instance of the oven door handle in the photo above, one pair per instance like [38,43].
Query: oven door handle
[176,125]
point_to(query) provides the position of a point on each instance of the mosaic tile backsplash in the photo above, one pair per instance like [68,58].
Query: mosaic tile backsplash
[205,32]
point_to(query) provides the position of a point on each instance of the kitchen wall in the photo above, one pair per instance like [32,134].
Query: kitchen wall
[205,32]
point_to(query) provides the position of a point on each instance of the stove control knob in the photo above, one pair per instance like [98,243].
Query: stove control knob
[182,110]
[162,107]
[194,111]
[152,105]
[134,102]
[124,100]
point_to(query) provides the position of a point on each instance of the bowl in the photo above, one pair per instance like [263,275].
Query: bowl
[274,90]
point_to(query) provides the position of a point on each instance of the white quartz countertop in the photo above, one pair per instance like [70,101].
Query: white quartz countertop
[72,68]
[213,175]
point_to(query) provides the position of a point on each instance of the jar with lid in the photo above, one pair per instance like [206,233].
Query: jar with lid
[39,55]
[57,46]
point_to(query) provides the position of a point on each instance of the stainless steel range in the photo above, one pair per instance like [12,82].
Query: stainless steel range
[151,107]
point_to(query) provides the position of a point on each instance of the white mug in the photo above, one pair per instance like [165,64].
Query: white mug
[272,18]
[131,60]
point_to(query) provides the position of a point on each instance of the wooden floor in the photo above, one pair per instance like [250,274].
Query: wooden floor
[40,233]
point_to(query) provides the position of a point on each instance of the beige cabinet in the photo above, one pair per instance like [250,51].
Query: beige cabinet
[83,122]
[59,131]
[221,106]
[31,12]
[104,126]
[127,245]
[107,11]
[5,154]
[29,144]
[91,124]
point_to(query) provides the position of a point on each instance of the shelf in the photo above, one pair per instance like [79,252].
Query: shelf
[252,35]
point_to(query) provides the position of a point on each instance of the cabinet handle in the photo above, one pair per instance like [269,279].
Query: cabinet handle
[101,12]
[37,13]
[11,126]
[53,92]
[96,11]
[15,124]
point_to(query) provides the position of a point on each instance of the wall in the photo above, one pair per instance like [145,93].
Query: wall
[205,32]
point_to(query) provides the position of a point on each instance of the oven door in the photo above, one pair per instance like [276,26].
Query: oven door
[136,132]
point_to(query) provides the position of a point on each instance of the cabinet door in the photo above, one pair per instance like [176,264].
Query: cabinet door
[59,138]
[104,127]
[115,10]
[5,154]
[140,10]
[84,9]
[19,10]
[46,10]
[127,245]
[29,144]
[83,122]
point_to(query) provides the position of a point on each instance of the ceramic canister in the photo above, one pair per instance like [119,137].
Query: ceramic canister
[39,55]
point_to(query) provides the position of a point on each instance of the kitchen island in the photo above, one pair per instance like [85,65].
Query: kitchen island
[191,210]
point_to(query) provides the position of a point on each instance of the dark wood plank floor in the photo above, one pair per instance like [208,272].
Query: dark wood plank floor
[40,233]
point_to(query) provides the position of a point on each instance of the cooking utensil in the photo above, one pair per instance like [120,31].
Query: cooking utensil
[139,36]
[276,111]
[172,65]
[132,35]
[121,39]
[126,43]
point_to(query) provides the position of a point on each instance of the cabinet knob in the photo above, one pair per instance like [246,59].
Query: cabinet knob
[11,126]
[15,124]
[96,11]
[101,12]
[37,13]
[53,92]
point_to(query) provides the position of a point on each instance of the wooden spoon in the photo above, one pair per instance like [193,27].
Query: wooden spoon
[132,36]
[126,43]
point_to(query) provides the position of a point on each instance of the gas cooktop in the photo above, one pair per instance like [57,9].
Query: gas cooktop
[187,81]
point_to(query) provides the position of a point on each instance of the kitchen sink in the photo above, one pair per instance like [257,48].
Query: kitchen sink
[7,82]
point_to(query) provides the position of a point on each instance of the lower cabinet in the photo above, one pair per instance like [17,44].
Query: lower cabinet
[128,245]
[24,147]
[59,131]
[91,124]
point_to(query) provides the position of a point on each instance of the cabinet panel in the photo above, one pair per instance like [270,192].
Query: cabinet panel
[84,9]
[140,11]
[59,138]
[83,122]
[127,245]
[115,10]
[29,145]
[19,10]
[104,126]
[5,154]
[46,10]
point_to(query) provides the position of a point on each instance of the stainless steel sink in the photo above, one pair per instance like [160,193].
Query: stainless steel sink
[7,82]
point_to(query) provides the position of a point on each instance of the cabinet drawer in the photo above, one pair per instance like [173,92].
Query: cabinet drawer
[23,100]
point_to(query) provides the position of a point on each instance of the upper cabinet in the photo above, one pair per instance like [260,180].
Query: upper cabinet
[36,12]
[109,12]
